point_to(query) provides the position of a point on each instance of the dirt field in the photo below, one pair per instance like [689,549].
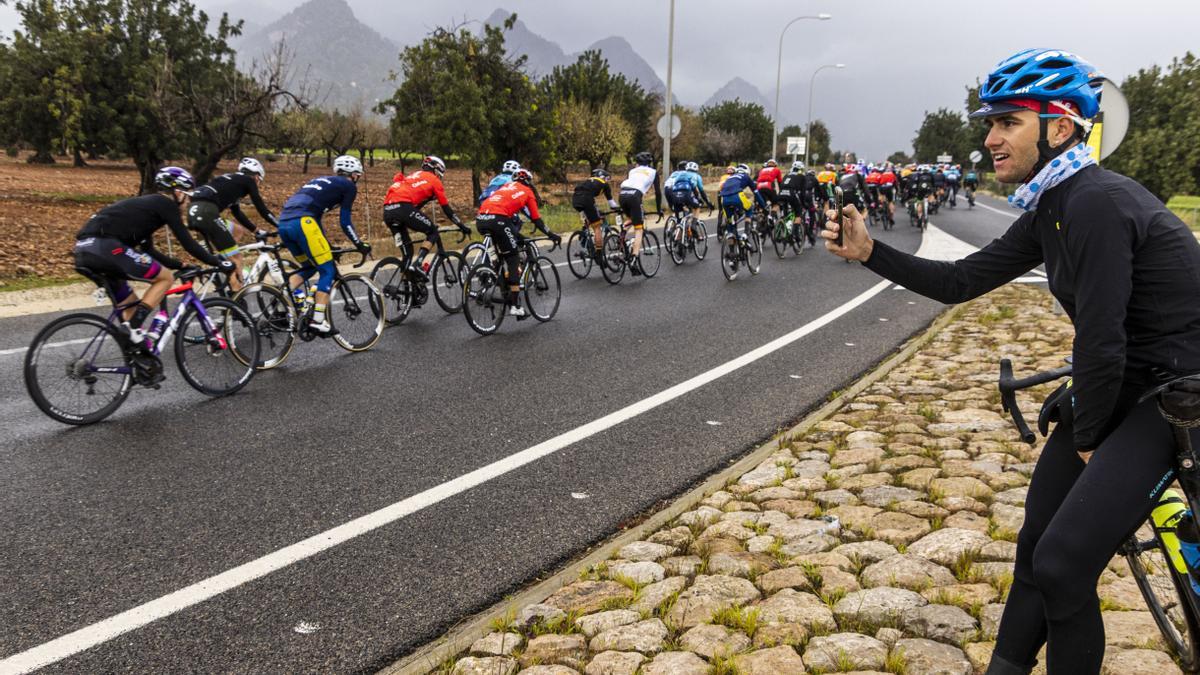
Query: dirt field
[42,207]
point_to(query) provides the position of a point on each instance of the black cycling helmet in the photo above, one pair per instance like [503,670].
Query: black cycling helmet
[601,172]
[643,158]
[681,166]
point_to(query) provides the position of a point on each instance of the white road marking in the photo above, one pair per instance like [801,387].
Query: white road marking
[579,495]
[1012,213]
[713,423]
[102,631]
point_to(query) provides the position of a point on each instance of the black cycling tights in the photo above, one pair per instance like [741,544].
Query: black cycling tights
[1075,518]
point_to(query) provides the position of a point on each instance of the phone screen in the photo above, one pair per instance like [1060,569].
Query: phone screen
[837,205]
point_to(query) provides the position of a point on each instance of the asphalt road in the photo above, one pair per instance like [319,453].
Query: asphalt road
[176,488]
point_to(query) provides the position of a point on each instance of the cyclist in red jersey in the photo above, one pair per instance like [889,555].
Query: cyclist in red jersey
[887,190]
[402,210]
[498,217]
[769,179]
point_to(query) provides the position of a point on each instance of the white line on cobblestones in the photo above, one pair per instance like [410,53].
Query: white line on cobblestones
[102,631]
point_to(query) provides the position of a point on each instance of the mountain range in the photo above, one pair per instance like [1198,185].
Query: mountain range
[351,62]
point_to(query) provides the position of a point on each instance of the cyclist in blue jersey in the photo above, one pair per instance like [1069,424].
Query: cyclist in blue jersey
[300,230]
[685,188]
[735,202]
[503,178]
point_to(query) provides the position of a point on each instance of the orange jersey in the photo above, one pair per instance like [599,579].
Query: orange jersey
[416,188]
[873,178]
[827,177]
[887,178]
[509,200]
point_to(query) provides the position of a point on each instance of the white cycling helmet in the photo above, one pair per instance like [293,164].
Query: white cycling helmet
[742,168]
[692,166]
[251,165]
[434,164]
[797,166]
[769,162]
[347,164]
[510,166]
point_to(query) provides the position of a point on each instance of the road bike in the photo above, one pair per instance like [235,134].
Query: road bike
[581,246]
[486,292]
[741,250]
[404,291]
[81,367]
[1155,568]
[617,254]
[970,192]
[685,234]
[355,310]
[917,213]
[788,234]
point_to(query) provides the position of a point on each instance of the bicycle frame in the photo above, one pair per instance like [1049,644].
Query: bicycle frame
[189,299]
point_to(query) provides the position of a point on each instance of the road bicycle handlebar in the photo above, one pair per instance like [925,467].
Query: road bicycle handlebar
[365,255]
[1009,386]
[191,272]
[557,244]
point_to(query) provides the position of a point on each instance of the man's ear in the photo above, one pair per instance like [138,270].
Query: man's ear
[1062,130]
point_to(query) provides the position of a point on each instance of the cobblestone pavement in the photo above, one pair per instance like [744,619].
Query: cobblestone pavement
[881,541]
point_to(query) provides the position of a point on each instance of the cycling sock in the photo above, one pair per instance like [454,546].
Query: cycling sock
[139,315]
[318,313]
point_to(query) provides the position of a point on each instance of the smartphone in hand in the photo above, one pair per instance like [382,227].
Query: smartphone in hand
[837,205]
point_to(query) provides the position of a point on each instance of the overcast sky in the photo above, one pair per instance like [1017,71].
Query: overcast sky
[900,60]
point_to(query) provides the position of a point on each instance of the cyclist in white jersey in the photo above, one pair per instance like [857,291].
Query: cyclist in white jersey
[633,189]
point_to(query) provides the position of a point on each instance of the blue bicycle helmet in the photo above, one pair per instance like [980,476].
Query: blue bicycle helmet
[1042,75]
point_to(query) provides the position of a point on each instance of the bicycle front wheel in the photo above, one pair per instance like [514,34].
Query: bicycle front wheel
[484,304]
[274,318]
[579,257]
[356,312]
[217,351]
[543,290]
[612,260]
[448,282]
[699,239]
[392,281]
[76,371]
[1168,595]
[650,257]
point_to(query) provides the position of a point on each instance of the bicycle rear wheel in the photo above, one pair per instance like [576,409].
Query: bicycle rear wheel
[753,251]
[71,369]
[274,318]
[543,291]
[730,257]
[650,257]
[356,312]
[218,356]
[473,254]
[1168,595]
[700,239]
[579,257]
[447,282]
[612,260]
[485,300]
[389,276]
[674,241]
[781,240]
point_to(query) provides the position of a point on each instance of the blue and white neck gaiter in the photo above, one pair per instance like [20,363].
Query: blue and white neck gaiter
[1056,171]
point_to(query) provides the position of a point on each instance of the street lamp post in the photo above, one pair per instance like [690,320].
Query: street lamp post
[779,74]
[666,168]
[808,129]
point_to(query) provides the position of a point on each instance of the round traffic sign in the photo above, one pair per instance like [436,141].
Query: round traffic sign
[676,125]
[976,156]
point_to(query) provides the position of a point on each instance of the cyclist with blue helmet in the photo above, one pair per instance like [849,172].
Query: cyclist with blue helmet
[1124,269]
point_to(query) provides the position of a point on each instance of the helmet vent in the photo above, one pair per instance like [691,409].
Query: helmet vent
[1056,64]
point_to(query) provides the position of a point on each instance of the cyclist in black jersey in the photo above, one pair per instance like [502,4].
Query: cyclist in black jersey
[1124,269]
[791,192]
[583,200]
[117,244]
[226,192]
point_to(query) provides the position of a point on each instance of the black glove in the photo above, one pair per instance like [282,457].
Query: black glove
[462,228]
[555,238]
[363,247]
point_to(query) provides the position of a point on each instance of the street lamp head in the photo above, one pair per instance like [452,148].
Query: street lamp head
[824,17]
[839,65]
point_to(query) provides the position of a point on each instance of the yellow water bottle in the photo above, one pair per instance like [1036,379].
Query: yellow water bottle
[1166,516]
